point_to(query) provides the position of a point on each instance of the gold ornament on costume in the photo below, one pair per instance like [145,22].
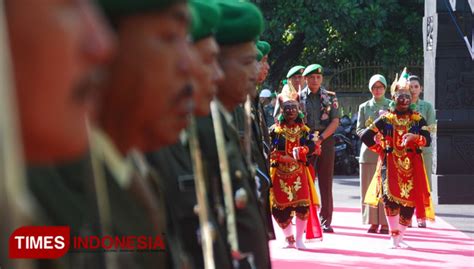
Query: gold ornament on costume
[400,83]
[315,136]
[405,188]
[432,128]
[289,92]
[369,122]
[291,133]
[291,190]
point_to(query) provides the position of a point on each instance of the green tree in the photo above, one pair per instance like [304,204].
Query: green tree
[334,32]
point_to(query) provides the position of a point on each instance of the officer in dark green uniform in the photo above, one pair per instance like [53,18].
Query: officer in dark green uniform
[153,47]
[264,47]
[52,103]
[258,137]
[322,114]
[241,24]
[174,163]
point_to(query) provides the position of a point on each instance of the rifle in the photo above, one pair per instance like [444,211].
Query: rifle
[232,238]
[201,195]
[226,184]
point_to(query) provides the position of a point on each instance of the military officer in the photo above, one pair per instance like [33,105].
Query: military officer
[322,112]
[259,138]
[369,111]
[54,62]
[241,24]
[175,163]
[153,47]
[263,47]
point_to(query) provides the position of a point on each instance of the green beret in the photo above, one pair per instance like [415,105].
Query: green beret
[240,22]
[118,8]
[259,55]
[313,69]
[295,70]
[264,47]
[208,15]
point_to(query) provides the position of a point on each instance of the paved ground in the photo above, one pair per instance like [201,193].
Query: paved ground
[446,243]
[346,191]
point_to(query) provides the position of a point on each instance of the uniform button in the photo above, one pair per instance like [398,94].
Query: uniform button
[241,198]
[196,209]
[238,174]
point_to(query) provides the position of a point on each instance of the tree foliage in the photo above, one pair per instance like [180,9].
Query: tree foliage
[334,32]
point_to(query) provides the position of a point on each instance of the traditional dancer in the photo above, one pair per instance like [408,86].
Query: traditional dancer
[400,178]
[293,189]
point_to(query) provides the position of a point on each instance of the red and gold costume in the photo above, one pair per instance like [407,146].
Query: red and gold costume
[400,176]
[293,190]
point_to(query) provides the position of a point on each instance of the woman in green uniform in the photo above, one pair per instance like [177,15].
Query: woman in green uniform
[368,112]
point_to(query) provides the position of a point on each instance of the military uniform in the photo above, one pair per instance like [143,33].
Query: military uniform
[176,170]
[129,202]
[259,146]
[368,113]
[250,226]
[428,113]
[320,109]
[66,197]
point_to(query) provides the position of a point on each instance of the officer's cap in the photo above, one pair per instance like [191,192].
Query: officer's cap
[313,69]
[264,47]
[118,8]
[298,69]
[240,22]
[206,15]
[259,55]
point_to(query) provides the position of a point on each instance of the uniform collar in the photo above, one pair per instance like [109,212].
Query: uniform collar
[227,115]
[307,91]
[382,101]
[105,151]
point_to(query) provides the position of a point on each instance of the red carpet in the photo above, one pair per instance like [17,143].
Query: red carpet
[438,246]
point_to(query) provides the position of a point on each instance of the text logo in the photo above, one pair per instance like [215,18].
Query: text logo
[39,242]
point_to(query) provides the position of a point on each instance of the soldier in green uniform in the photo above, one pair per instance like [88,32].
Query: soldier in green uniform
[369,111]
[259,138]
[264,48]
[241,24]
[322,115]
[55,48]
[174,162]
[428,113]
[153,47]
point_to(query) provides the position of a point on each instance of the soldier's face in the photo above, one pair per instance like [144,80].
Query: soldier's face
[207,74]
[378,90]
[314,81]
[56,46]
[240,71]
[149,93]
[264,69]
[297,81]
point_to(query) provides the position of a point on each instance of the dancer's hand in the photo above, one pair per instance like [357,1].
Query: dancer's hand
[409,139]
